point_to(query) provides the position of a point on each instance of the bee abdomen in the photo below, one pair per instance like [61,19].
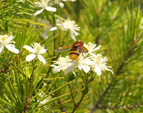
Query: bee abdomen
[74,54]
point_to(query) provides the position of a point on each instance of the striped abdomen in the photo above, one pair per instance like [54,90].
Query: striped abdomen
[74,53]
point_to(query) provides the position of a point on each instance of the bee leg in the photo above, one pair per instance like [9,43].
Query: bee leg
[83,55]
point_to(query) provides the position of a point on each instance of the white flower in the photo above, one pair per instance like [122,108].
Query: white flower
[85,61]
[81,63]
[91,47]
[61,63]
[70,26]
[44,4]
[37,50]
[99,64]
[65,63]
[5,41]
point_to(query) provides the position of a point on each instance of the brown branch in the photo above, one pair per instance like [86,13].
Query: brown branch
[77,105]
[71,94]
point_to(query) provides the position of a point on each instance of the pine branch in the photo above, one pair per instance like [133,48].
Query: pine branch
[117,73]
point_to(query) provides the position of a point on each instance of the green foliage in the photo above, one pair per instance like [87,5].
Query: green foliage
[31,87]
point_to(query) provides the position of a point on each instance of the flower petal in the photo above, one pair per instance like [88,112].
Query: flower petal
[86,68]
[70,68]
[61,4]
[41,59]
[12,48]
[1,48]
[42,51]
[56,69]
[53,28]
[38,12]
[73,37]
[30,49]
[109,70]
[76,33]
[30,57]
[97,48]
[51,9]
[97,69]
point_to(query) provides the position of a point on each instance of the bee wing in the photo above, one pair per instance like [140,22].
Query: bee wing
[63,48]
[83,49]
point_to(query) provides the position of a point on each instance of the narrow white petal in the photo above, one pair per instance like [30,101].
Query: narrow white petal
[12,48]
[30,49]
[38,12]
[97,48]
[38,4]
[92,54]
[53,28]
[76,33]
[73,37]
[41,59]
[57,69]
[30,57]
[86,68]
[1,48]
[42,51]
[70,68]
[109,70]
[97,69]
[50,9]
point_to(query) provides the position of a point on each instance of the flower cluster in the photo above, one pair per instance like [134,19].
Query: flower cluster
[86,62]
[66,25]
[37,50]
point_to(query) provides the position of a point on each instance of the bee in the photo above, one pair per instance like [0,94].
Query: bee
[75,49]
